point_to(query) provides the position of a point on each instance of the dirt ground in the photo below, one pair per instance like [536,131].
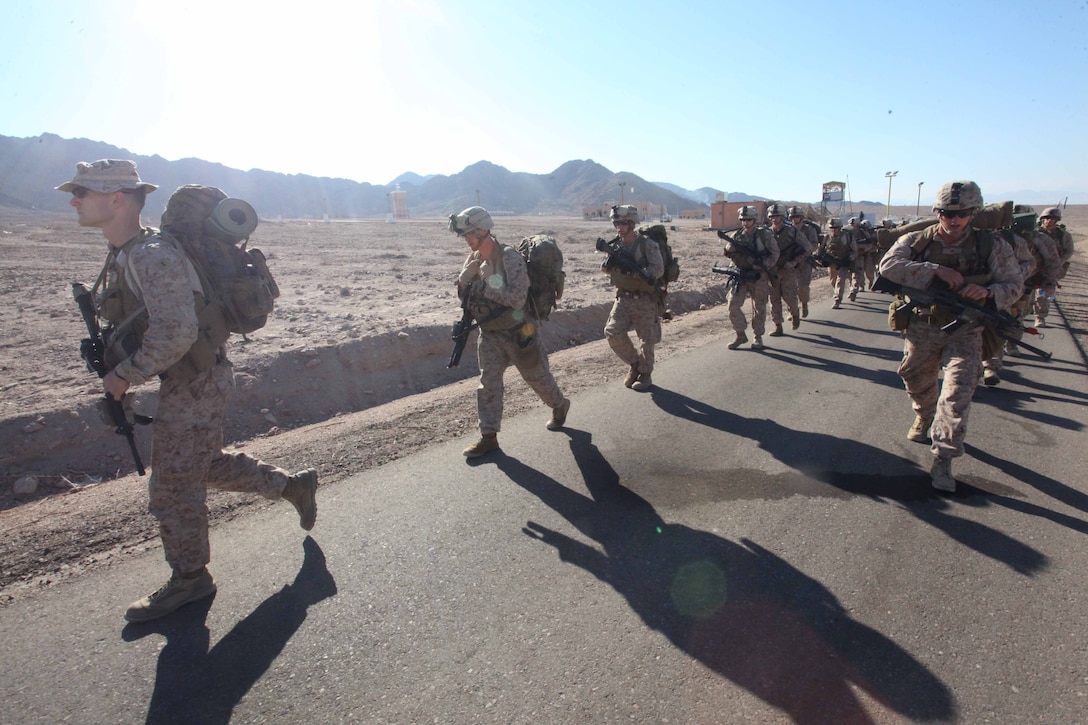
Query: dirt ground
[349,373]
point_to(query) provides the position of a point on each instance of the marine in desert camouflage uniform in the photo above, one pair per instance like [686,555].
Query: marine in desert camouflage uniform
[496,281]
[865,263]
[754,251]
[806,269]
[1063,242]
[839,245]
[950,255]
[1037,256]
[149,281]
[636,306]
[793,251]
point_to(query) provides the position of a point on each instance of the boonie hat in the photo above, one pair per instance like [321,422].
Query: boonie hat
[107,176]
[1051,212]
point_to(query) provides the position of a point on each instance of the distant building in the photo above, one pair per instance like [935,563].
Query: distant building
[647,210]
[398,203]
[693,214]
[723,214]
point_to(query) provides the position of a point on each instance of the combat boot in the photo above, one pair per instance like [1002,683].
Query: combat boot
[804,309]
[795,321]
[919,432]
[990,377]
[942,475]
[777,332]
[301,490]
[488,442]
[173,595]
[631,376]
[837,305]
[741,339]
[559,415]
[758,343]
[853,295]
[643,383]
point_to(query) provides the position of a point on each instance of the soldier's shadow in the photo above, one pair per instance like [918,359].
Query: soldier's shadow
[885,477]
[737,608]
[195,684]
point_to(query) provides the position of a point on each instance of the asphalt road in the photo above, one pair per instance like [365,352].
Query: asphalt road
[753,541]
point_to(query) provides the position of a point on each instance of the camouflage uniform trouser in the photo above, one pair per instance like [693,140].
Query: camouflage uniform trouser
[1020,310]
[634,311]
[187,458]
[1042,305]
[759,290]
[804,281]
[785,288]
[840,277]
[497,350]
[927,348]
[864,269]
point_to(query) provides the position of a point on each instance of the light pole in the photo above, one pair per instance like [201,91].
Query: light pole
[622,184]
[888,208]
[918,204]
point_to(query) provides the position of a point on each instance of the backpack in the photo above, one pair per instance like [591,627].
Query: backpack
[208,226]
[544,260]
[672,264]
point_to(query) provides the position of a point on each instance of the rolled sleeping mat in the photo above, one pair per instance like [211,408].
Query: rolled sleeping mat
[231,221]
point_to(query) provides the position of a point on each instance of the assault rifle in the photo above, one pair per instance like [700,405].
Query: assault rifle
[753,256]
[823,258]
[736,276]
[92,349]
[620,257]
[967,312]
[460,332]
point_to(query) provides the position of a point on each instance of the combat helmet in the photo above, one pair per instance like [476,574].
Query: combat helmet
[1051,212]
[834,223]
[795,211]
[958,196]
[624,213]
[747,212]
[776,209]
[473,219]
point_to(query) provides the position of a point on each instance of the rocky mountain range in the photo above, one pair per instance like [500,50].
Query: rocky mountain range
[30,168]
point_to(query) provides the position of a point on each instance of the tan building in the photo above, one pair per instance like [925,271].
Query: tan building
[646,210]
[723,214]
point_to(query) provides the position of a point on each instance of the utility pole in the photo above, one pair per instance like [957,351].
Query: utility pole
[622,184]
[918,204]
[888,208]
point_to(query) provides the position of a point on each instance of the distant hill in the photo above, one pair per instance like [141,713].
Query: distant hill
[410,177]
[708,195]
[30,168]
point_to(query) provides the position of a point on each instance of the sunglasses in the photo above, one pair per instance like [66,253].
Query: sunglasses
[956,214]
[79,192]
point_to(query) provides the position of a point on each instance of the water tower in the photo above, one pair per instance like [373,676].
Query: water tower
[833,199]
[398,203]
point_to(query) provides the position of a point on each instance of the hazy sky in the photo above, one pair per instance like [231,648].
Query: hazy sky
[767,98]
